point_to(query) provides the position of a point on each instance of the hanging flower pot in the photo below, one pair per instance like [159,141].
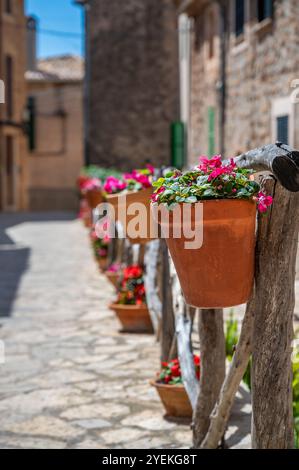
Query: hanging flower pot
[220,273]
[103,263]
[134,188]
[130,306]
[113,274]
[175,400]
[90,189]
[133,318]
[144,223]
[171,390]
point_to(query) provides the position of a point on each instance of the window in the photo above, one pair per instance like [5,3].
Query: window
[282,129]
[8,6]
[9,86]
[240,17]
[211,35]
[283,121]
[264,9]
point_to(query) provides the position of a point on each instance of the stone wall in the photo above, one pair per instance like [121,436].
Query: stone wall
[13,194]
[259,72]
[134,81]
[55,163]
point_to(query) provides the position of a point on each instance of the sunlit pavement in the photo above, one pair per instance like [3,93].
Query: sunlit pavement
[70,379]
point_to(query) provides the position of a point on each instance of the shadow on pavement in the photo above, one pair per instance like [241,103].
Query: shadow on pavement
[14,258]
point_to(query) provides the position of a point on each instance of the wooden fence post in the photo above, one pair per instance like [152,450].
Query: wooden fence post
[269,313]
[212,370]
[272,423]
[168,334]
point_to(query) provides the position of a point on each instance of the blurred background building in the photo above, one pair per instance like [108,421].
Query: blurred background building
[55,139]
[244,61]
[162,79]
[132,72]
[13,193]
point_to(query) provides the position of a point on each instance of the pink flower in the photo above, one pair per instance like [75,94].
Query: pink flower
[216,173]
[155,196]
[114,268]
[150,168]
[90,184]
[144,180]
[206,164]
[93,235]
[263,202]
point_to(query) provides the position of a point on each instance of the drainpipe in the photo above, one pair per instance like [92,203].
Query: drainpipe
[86,92]
[185,76]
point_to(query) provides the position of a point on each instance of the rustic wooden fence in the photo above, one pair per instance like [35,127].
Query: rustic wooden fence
[267,327]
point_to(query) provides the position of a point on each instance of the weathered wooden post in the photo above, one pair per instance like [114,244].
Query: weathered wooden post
[168,335]
[212,370]
[272,423]
[267,325]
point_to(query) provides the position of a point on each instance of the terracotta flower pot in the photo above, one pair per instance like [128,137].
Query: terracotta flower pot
[134,318]
[103,263]
[94,198]
[113,277]
[175,400]
[121,204]
[221,272]
[87,220]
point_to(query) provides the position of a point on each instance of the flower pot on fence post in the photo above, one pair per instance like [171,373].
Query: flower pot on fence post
[133,318]
[175,399]
[221,272]
[121,203]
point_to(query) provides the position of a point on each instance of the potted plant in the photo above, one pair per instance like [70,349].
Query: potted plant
[170,387]
[130,306]
[84,210]
[135,187]
[113,274]
[219,273]
[100,249]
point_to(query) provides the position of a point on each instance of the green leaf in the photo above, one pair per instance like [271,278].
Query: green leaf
[191,199]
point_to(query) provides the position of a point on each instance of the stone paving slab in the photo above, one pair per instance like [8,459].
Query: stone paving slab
[70,379]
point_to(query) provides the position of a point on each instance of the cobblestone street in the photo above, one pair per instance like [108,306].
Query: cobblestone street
[69,379]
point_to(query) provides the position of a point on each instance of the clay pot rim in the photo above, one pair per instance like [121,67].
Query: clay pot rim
[127,306]
[156,384]
[95,190]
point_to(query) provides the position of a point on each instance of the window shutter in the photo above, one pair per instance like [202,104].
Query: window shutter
[283,129]
[177,144]
[265,9]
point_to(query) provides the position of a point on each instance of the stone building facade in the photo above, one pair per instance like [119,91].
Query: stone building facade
[12,138]
[244,89]
[55,93]
[133,71]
